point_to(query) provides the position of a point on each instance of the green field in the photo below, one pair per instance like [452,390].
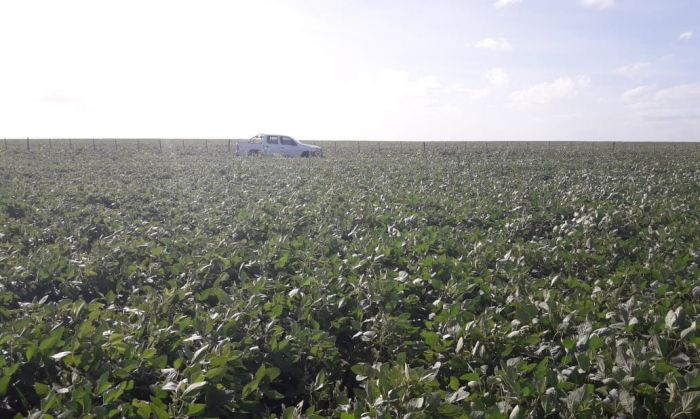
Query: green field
[463,280]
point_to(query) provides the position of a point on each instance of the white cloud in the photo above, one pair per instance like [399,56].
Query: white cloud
[474,94]
[390,91]
[598,4]
[637,94]
[500,4]
[681,92]
[500,44]
[633,70]
[680,102]
[479,94]
[544,93]
[685,36]
[498,77]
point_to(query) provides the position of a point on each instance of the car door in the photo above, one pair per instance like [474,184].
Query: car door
[273,145]
[289,147]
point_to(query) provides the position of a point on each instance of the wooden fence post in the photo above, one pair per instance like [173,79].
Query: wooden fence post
[229,145]
[423,146]
[206,145]
[358,146]
[93,144]
[27,143]
[50,146]
[160,145]
[116,148]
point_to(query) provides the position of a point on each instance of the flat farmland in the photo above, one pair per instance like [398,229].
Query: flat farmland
[495,280]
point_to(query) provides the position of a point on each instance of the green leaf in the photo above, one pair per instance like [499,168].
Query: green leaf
[41,389]
[156,251]
[430,338]
[249,388]
[31,351]
[272,373]
[692,378]
[199,353]
[448,410]
[193,388]
[7,374]
[470,376]
[149,353]
[260,373]
[52,340]
[273,395]
[595,342]
[114,393]
[216,372]
[194,409]
[143,408]
[4,383]
[282,261]
[569,343]
[159,408]
[662,367]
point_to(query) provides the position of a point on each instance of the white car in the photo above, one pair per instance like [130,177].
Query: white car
[282,145]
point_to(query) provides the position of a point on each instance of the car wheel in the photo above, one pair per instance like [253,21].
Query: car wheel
[304,154]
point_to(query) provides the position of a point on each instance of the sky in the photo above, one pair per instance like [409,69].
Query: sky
[351,69]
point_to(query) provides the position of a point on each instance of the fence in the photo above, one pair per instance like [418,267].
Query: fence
[332,147]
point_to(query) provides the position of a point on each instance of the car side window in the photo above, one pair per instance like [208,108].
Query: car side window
[288,141]
[273,139]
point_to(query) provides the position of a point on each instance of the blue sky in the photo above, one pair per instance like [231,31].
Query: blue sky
[368,70]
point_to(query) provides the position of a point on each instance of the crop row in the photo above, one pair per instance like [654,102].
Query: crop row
[488,283]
